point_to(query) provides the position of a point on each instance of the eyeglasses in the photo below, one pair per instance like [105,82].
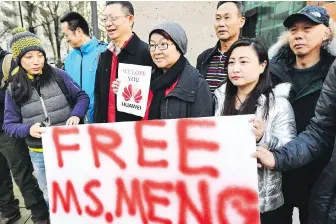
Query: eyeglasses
[161,46]
[111,18]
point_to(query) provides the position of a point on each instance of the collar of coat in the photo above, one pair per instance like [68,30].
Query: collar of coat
[186,87]
[131,46]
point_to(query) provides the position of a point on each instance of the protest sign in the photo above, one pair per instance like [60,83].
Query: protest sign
[133,91]
[193,171]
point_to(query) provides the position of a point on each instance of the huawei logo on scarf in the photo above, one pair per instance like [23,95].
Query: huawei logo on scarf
[132,92]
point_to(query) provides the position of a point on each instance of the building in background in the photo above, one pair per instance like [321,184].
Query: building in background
[39,17]
[265,19]
[329,5]
[9,20]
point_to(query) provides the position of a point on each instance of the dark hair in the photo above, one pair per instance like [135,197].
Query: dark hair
[124,4]
[76,20]
[264,85]
[21,85]
[166,36]
[162,33]
[239,5]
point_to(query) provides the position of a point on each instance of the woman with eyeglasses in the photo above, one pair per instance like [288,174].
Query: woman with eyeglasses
[38,96]
[177,89]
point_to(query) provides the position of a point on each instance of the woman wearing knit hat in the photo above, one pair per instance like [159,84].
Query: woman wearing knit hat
[178,90]
[38,96]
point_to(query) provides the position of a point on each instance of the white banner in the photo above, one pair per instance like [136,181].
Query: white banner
[183,171]
[133,91]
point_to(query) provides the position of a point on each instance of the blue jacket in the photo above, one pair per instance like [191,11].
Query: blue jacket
[81,64]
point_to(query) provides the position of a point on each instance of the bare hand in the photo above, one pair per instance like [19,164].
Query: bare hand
[266,158]
[73,121]
[36,131]
[258,127]
[115,86]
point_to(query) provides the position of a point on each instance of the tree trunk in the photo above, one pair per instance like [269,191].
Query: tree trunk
[47,29]
[58,42]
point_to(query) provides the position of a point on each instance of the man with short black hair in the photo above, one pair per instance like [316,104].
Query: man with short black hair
[81,63]
[229,20]
[125,47]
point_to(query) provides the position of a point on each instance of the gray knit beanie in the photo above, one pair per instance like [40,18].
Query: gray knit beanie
[176,32]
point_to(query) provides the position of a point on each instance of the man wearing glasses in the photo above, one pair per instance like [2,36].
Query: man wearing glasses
[125,47]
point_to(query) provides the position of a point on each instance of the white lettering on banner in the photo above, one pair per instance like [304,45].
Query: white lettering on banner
[186,171]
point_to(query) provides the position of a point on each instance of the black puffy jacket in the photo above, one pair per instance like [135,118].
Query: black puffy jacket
[318,137]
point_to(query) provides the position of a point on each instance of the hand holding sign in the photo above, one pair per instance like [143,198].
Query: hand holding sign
[115,86]
[132,88]
[265,157]
[186,171]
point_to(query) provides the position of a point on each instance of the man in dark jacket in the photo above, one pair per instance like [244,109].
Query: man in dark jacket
[302,58]
[125,47]
[229,20]
[14,157]
[318,138]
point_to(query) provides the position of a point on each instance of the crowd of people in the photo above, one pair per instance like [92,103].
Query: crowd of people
[290,89]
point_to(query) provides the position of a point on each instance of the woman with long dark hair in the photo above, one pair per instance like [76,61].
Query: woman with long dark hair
[249,91]
[39,96]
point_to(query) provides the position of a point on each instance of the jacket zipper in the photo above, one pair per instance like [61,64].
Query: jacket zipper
[81,70]
[311,82]
[44,107]
[167,108]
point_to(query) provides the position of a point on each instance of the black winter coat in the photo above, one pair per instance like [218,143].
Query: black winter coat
[204,59]
[298,183]
[136,52]
[318,138]
[191,97]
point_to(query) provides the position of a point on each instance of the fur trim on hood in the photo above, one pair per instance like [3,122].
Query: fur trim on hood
[283,42]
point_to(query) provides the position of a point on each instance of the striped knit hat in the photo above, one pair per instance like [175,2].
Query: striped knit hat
[23,42]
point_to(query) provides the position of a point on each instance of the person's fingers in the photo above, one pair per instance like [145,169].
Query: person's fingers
[254,155]
[259,165]
[251,119]
[76,122]
[255,130]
